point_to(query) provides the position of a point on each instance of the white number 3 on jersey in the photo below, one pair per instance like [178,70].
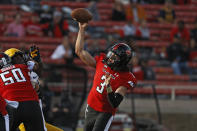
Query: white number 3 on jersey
[100,89]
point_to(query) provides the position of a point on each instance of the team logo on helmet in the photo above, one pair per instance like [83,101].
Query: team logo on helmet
[128,52]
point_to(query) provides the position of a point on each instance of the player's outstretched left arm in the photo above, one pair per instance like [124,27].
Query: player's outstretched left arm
[79,47]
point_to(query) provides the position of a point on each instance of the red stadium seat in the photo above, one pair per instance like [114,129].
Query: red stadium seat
[187,20]
[191,92]
[193,64]
[194,3]
[78,61]
[172,77]
[152,13]
[193,55]
[105,12]
[105,5]
[68,4]
[160,26]
[43,40]
[158,44]
[50,61]
[163,70]
[185,8]
[9,7]
[12,13]
[155,63]
[150,91]
[186,14]
[10,19]
[152,63]
[104,17]
[159,32]
[106,23]
[152,7]
[45,54]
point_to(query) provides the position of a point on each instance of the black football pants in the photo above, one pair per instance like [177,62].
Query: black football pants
[28,113]
[97,121]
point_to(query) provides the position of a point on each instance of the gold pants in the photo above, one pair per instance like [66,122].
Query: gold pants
[48,126]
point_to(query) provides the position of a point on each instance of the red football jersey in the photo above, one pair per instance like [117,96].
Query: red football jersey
[15,84]
[97,98]
[3,110]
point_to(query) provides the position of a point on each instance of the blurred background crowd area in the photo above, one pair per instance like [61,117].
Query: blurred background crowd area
[164,31]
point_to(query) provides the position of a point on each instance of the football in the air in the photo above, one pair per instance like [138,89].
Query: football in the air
[81,15]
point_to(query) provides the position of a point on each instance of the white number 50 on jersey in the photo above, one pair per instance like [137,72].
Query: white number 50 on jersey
[17,75]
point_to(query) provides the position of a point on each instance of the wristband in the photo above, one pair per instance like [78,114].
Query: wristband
[109,89]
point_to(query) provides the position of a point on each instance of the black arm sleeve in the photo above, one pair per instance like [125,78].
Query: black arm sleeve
[114,99]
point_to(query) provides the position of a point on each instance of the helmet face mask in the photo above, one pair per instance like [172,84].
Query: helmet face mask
[112,59]
[118,56]
[5,60]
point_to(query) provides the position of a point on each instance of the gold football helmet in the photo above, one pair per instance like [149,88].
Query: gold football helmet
[12,52]
[17,56]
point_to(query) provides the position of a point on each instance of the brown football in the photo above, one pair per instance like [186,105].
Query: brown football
[81,15]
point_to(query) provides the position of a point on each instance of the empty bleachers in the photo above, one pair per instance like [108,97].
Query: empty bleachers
[159,39]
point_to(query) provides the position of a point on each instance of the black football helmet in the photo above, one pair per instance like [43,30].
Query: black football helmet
[5,60]
[118,56]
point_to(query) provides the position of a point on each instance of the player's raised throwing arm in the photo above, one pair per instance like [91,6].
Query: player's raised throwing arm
[79,47]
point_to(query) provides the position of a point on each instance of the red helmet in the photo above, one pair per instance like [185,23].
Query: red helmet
[119,55]
[5,60]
